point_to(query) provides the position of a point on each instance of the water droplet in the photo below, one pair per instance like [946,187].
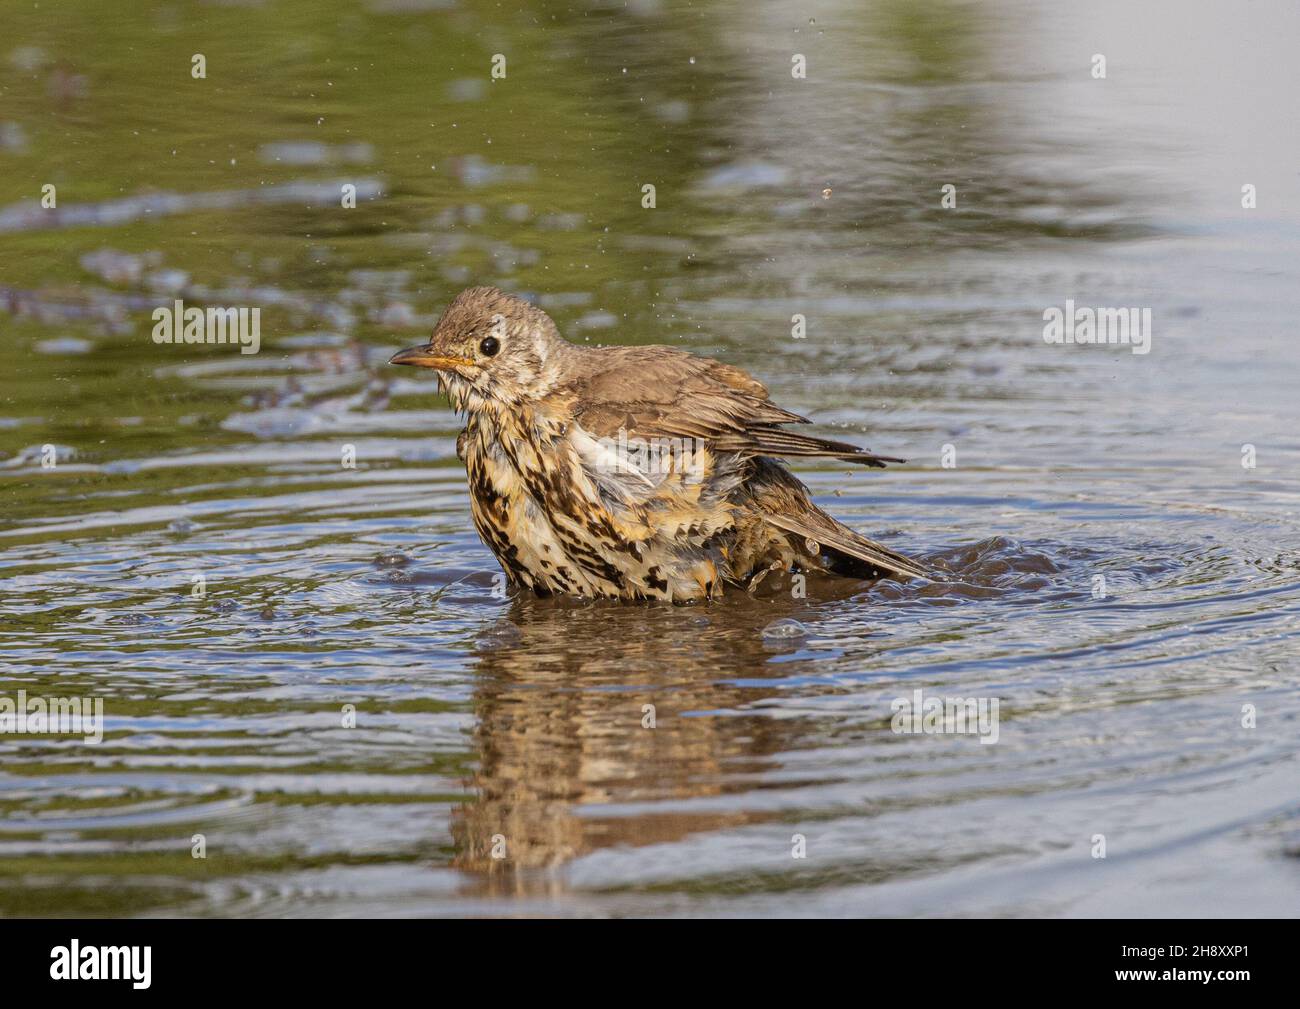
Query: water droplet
[784,629]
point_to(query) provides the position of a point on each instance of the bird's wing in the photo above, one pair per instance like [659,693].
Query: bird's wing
[662,392]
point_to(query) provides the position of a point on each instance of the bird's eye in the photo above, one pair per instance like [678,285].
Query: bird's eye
[489,346]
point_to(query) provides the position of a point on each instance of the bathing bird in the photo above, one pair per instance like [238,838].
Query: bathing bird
[631,472]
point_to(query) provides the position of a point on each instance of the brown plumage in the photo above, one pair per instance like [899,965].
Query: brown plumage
[630,472]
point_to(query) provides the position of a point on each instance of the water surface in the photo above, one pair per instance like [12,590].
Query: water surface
[1111,571]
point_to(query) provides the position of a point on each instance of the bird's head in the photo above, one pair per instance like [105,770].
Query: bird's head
[490,349]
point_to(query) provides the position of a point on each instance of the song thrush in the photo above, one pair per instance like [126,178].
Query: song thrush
[630,472]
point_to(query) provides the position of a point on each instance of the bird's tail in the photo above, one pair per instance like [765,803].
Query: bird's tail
[842,550]
[783,503]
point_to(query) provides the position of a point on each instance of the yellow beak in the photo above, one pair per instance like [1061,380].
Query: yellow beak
[423,357]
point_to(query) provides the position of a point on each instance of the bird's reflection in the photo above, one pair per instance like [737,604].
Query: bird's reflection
[597,724]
